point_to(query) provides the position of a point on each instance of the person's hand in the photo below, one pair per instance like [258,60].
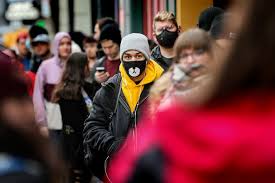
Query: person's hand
[44,131]
[18,113]
[101,77]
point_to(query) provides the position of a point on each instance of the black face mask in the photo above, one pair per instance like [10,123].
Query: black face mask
[167,39]
[135,68]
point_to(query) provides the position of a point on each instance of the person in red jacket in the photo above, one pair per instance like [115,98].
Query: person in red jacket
[25,154]
[227,134]
[29,76]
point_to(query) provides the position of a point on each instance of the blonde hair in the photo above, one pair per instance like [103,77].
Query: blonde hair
[162,16]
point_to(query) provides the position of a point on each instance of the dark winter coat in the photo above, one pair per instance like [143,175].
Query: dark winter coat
[110,121]
[165,63]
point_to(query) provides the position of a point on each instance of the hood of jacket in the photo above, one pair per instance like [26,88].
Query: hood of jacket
[131,90]
[57,39]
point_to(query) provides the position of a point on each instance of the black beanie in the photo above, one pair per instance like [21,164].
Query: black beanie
[37,30]
[110,32]
[217,30]
[207,16]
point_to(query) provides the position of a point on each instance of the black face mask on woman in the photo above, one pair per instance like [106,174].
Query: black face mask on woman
[167,38]
[135,68]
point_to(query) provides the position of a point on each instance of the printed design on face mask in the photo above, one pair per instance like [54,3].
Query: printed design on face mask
[135,68]
[134,71]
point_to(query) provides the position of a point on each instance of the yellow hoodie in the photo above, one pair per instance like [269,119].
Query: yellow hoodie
[131,90]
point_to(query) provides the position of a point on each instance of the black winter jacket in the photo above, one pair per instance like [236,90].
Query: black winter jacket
[107,127]
[165,63]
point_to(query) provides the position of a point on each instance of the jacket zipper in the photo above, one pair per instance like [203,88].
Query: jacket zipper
[143,100]
[124,104]
[135,132]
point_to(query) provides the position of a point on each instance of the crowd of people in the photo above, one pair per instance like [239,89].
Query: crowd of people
[196,107]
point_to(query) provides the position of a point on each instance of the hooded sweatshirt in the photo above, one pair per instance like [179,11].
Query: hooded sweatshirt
[131,90]
[153,71]
[48,75]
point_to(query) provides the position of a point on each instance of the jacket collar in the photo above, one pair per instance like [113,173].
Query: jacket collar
[156,53]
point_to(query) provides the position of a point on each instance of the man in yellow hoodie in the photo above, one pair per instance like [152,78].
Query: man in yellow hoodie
[118,105]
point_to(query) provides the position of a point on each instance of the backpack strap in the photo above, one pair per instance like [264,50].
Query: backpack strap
[117,93]
[117,99]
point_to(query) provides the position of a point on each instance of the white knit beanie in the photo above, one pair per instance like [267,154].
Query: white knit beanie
[135,41]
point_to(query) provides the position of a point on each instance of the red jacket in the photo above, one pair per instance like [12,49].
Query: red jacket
[30,77]
[232,141]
